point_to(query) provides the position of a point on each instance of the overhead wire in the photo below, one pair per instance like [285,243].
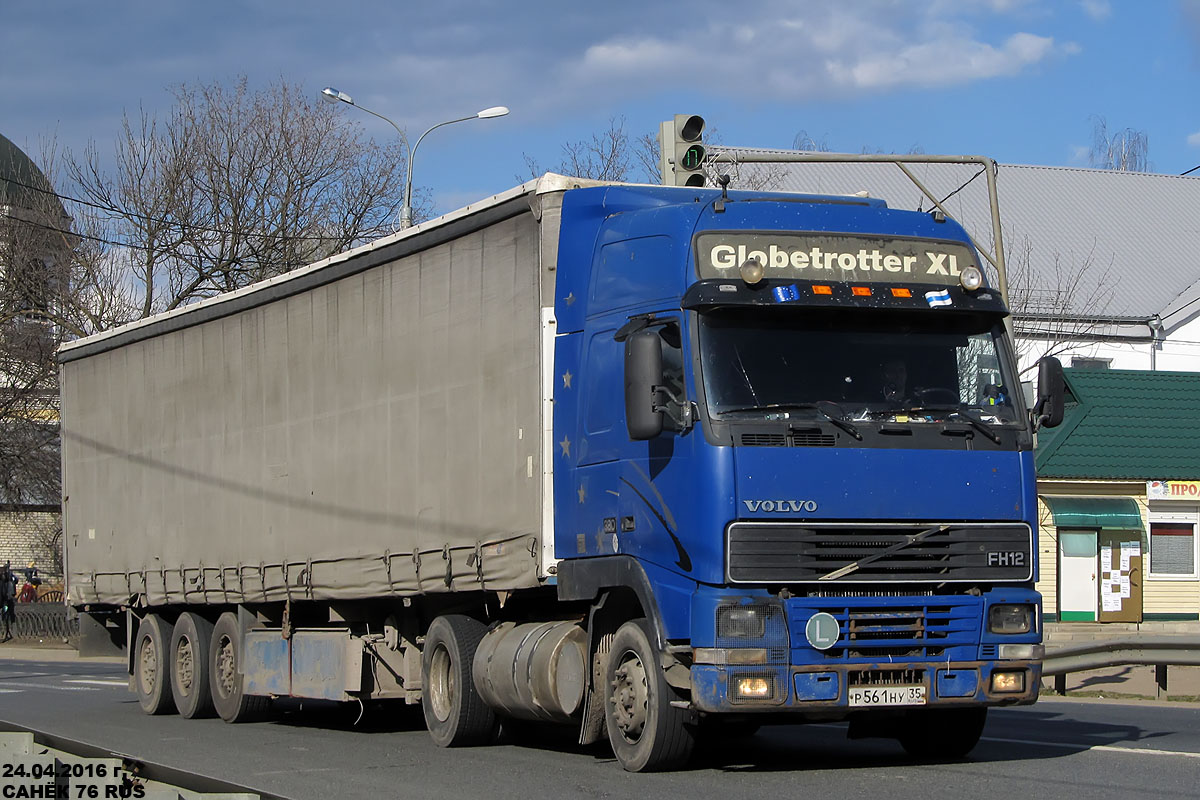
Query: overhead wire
[149,218]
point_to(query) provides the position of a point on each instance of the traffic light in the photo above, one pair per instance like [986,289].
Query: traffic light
[682,151]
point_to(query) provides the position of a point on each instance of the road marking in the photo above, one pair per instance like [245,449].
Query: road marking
[1104,747]
[21,686]
[97,682]
[10,691]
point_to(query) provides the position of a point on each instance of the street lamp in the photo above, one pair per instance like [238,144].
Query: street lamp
[334,96]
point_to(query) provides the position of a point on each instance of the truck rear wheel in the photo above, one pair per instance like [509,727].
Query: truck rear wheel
[151,665]
[225,674]
[189,666]
[647,733]
[454,712]
[944,733]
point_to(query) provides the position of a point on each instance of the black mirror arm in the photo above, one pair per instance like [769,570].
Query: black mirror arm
[680,411]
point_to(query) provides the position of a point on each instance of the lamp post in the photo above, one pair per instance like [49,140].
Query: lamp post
[334,96]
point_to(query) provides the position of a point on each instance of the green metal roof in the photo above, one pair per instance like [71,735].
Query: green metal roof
[1125,424]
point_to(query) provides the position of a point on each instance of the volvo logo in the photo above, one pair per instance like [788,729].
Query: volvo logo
[782,506]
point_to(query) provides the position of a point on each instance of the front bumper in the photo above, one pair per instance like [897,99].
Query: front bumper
[825,690]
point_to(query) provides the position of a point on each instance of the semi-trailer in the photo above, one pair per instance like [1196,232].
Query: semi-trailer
[636,459]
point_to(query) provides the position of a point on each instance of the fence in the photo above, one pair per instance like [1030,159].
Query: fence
[45,622]
[1157,651]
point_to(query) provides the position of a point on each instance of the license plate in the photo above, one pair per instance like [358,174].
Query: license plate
[887,695]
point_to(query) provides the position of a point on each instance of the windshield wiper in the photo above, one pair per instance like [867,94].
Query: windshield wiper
[986,428]
[839,422]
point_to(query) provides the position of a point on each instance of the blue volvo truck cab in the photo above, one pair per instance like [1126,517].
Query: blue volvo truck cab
[790,433]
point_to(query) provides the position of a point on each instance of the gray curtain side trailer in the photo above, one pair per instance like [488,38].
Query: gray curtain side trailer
[284,486]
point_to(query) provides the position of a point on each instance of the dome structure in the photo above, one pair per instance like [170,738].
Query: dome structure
[22,183]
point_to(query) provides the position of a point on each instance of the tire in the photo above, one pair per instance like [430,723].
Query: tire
[225,674]
[944,733]
[647,733]
[151,663]
[190,666]
[455,714]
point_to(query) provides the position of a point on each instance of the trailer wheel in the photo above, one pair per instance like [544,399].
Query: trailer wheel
[454,712]
[151,665]
[647,733]
[942,733]
[189,666]
[225,674]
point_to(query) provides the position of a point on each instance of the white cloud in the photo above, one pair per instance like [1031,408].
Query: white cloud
[1098,10]
[1194,139]
[775,53]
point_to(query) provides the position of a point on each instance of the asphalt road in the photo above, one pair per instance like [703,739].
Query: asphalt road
[1083,750]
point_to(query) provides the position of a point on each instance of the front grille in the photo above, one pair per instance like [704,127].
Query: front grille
[781,552]
[885,677]
[943,630]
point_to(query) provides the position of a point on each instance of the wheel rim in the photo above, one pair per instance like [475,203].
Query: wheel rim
[630,696]
[185,668]
[225,666]
[147,666]
[441,683]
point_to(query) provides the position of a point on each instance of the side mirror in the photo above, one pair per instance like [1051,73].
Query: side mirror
[1051,392]
[643,372]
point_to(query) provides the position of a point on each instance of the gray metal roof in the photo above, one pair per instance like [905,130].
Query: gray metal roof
[1119,244]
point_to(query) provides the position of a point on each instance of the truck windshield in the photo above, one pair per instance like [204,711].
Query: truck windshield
[856,365]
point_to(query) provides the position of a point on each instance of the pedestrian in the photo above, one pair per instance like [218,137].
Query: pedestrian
[8,599]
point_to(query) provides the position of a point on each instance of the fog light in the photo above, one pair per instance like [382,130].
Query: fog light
[753,687]
[1008,682]
[971,278]
[1012,619]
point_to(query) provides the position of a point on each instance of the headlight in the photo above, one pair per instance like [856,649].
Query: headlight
[1010,619]
[741,622]
[971,278]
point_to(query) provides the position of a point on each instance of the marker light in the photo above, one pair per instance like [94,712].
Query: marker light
[860,291]
[971,278]
[901,292]
[822,289]
[752,271]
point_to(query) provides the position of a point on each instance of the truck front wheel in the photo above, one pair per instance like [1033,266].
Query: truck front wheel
[225,673]
[151,665]
[454,712]
[647,733]
[942,733]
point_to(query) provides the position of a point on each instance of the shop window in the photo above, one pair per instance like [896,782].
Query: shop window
[1173,549]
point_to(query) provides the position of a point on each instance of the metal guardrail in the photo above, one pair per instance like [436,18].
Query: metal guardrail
[1159,652]
[45,622]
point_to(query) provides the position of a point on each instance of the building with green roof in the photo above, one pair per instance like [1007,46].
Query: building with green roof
[1119,484]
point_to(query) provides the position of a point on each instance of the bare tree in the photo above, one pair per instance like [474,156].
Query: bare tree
[1057,304]
[1126,150]
[608,155]
[230,187]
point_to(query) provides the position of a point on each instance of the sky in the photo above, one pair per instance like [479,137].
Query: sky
[1020,81]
